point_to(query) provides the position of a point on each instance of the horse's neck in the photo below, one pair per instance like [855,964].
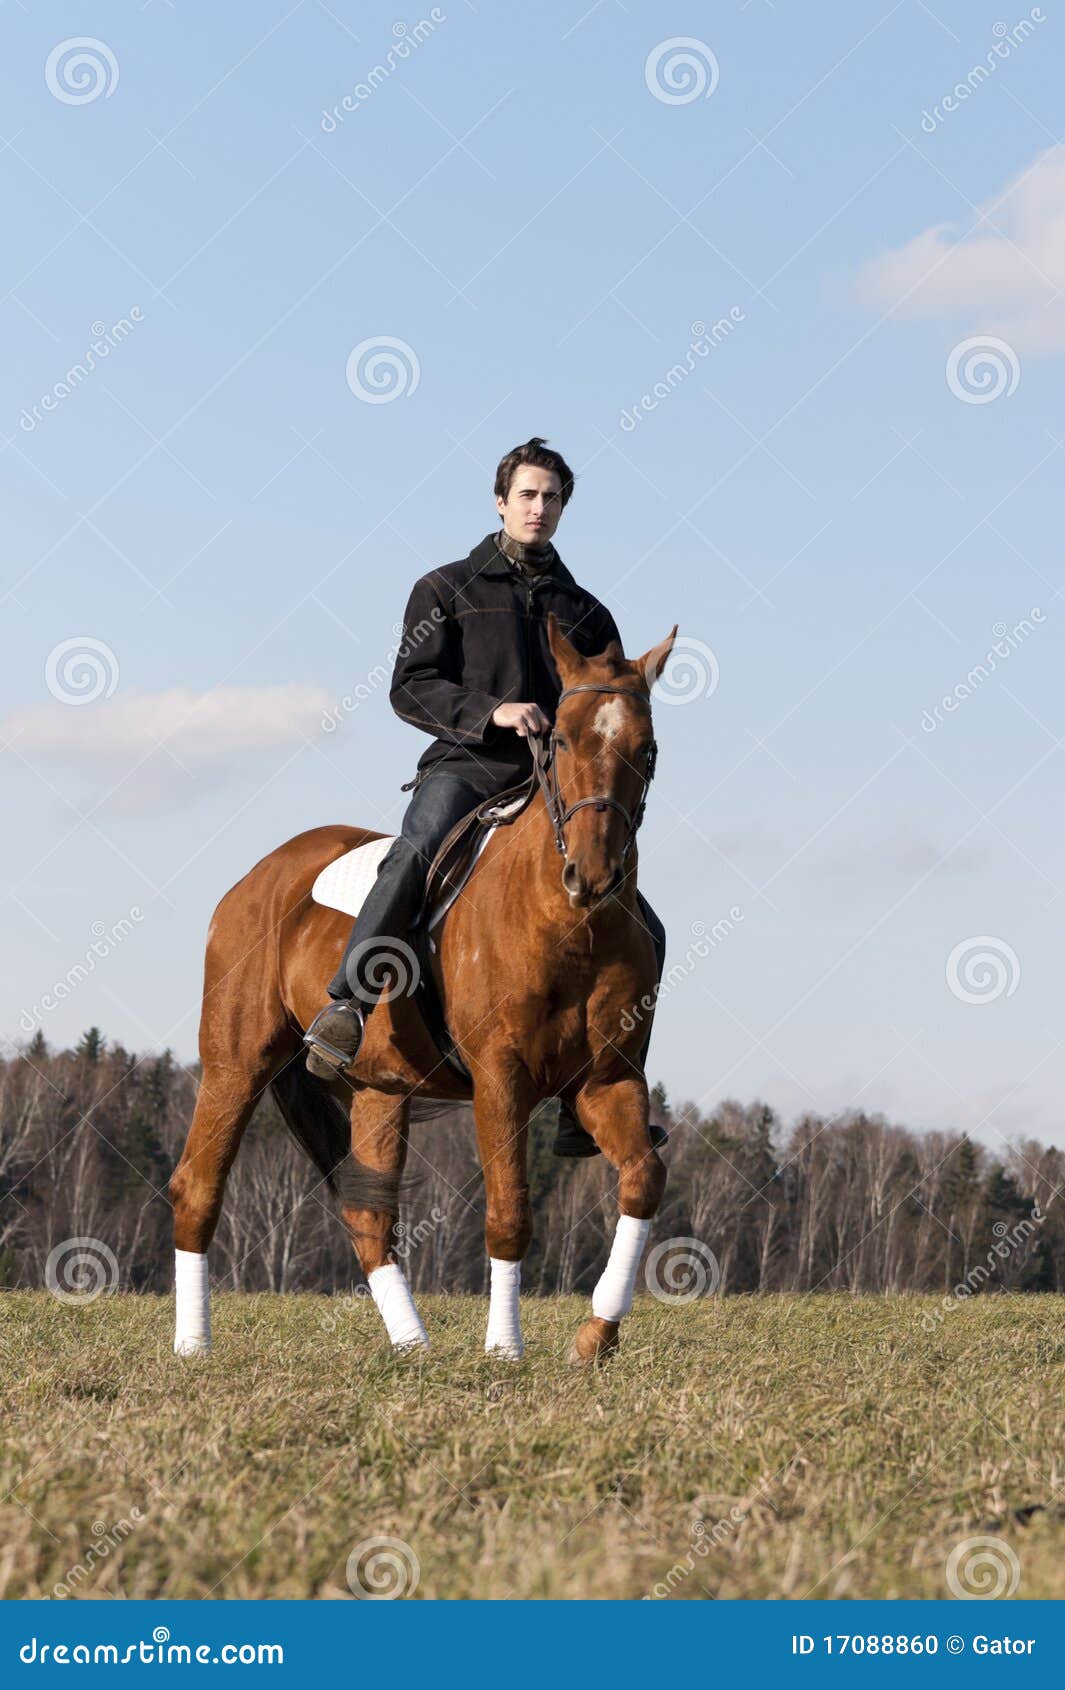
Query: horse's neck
[537,866]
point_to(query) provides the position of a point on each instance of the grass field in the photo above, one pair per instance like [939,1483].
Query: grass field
[742,1447]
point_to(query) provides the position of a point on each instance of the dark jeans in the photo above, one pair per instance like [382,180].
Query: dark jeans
[393,901]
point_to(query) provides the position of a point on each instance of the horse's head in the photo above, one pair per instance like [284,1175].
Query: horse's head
[603,753]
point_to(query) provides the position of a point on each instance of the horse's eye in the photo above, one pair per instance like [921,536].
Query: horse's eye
[561,742]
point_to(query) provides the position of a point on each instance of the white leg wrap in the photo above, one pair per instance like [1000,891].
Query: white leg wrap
[192,1314]
[391,1293]
[612,1297]
[504,1318]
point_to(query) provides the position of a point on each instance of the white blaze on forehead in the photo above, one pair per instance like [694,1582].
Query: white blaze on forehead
[609,718]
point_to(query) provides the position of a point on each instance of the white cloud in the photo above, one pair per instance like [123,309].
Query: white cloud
[203,730]
[1000,280]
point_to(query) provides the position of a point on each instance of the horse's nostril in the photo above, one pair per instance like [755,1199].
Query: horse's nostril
[571,877]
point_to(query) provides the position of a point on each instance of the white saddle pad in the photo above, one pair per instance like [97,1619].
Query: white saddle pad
[344,884]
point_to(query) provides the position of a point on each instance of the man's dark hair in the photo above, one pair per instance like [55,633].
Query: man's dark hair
[540,455]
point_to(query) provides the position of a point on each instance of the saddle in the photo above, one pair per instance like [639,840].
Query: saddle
[448,873]
[459,850]
[343,885]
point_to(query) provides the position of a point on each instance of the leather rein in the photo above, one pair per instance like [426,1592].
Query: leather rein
[547,774]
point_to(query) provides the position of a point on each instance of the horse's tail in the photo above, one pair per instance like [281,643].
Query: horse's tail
[322,1130]
[314,1118]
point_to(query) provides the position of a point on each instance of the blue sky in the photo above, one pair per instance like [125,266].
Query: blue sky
[841,518]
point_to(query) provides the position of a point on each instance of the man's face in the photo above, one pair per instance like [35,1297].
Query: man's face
[532,509]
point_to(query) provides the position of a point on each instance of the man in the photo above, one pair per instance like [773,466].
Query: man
[475,671]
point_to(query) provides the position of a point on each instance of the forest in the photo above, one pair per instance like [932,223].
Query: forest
[847,1203]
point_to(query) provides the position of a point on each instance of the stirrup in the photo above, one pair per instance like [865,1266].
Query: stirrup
[330,1055]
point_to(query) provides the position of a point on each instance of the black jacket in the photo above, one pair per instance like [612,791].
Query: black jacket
[474,637]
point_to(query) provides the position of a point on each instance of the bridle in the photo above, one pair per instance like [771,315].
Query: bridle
[547,775]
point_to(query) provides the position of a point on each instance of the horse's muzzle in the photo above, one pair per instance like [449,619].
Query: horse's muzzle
[582,894]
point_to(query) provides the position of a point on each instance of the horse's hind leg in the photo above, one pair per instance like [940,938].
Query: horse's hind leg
[368,1186]
[229,1092]
[616,1115]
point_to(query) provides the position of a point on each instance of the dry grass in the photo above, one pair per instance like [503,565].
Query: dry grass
[830,1447]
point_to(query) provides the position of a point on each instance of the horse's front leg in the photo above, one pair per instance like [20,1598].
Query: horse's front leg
[502,1101]
[616,1115]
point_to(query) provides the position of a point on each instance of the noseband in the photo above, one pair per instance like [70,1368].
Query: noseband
[547,775]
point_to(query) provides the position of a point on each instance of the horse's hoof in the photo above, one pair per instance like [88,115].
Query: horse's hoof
[595,1340]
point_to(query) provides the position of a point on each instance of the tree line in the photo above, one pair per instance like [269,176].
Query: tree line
[90,1136]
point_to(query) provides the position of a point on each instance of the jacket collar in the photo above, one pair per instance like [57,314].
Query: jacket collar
[489,563]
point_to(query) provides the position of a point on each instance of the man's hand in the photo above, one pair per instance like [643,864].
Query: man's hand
[525,719]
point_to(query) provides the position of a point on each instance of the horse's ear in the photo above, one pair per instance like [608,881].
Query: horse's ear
[653,662]
[565,654]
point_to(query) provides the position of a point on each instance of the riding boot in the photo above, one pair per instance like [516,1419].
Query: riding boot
[571,1140]
[388,912]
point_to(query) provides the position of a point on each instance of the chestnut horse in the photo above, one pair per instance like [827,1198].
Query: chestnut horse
[539,962]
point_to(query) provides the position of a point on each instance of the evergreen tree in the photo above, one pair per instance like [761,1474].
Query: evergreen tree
[660,1110]
[961,1205]
[91,1046]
